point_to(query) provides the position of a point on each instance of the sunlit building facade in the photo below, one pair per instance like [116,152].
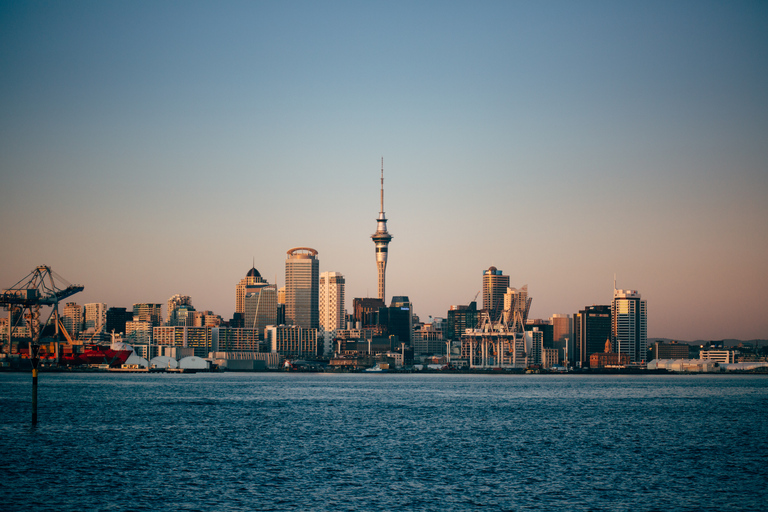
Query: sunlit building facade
[253,277]
[260,307]
[495,285]
[302,276]
[332,301]
[629,331]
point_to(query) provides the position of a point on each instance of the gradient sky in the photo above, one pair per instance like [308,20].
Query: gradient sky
[155,148]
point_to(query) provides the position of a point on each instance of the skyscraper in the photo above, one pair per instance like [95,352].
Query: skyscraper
[381,238]
[461,318]
[591,329]
[179,306]
[145,312]
[517,304]
[72,318]
[95,316]
[260,304]
[251,278]
[332,300]
[495,285]
[629,332]
[302,288]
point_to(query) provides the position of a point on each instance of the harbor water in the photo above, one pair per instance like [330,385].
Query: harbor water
[279,441]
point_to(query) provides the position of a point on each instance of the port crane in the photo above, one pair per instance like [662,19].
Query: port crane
[25,298]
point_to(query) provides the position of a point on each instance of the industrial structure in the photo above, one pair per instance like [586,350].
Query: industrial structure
[497,345]
[25,299]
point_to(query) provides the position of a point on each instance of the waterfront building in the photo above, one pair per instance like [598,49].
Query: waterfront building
[72,318]
[246,361]
[550,357]
[196,338]
[608,358]
[537,345]
[591,327]
[332,300]
[381,239]
[461,318]
[253,277]
[146,312]
[719,356]
[302,288]
[95,316]
[629,325]
[495,285]
[674,350]
[293,341]
[229,339]
[260,307]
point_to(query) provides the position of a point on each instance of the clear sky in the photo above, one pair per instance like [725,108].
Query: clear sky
[155,148]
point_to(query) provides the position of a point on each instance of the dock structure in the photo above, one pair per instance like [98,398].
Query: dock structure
[497,345]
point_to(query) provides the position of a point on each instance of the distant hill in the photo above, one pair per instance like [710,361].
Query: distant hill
[726,342]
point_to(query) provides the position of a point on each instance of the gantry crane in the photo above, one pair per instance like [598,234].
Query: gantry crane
[37,289]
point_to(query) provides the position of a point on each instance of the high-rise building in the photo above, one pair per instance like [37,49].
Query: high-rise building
[516,306]
[381,238]
[397,319]
[178,308]
[72,318]
[495,285]
[302,292]
[629,333]
[145,312]
[366,312]
[293,341]
[562,336]
[116,318]
[260,307]
[95,316]
[591,329]
[251,278]
[461,318]
[332,300]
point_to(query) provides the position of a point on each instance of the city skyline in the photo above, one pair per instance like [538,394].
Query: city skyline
[152,150]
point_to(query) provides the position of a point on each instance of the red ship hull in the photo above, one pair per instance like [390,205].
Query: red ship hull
[95,354]
[76,355]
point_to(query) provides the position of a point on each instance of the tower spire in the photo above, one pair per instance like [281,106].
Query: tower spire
[382,187]
[381,238]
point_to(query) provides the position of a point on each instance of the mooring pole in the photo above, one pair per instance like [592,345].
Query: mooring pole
[34,353]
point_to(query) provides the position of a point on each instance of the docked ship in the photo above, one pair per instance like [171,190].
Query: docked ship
[114,355]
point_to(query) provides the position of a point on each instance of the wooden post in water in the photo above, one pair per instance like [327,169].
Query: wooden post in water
[34,351]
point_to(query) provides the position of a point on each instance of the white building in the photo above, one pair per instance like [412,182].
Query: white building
[332,300]
[719,356]
[95,316]
[72,318]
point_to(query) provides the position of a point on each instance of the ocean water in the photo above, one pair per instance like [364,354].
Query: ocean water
[276,441]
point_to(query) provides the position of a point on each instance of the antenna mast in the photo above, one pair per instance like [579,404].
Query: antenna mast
[382,185]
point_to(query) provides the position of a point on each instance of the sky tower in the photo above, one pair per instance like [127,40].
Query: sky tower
[381,238]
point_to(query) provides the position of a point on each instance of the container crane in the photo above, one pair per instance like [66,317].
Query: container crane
[32,292]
